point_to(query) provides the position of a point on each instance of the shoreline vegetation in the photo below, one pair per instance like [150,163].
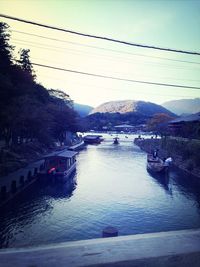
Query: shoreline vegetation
[185,152]
[32,118]
[36,121]
[19,156]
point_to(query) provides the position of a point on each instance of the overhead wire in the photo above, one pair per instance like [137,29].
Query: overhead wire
[116,78]
[111,40]
[81,51]
[74,51]
[106,49]
[109,88]
[99,37]
[163,78]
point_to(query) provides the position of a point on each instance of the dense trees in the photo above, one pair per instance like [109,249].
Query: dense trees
[159,123]
[28,111]
[5,49]
[26,65]
[99,120]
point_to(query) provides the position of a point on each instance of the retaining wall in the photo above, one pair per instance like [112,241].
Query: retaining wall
[165,249]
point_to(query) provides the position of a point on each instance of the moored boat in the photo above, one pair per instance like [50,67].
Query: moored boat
[58,167]
[116,141]
[155,164]
[92,139]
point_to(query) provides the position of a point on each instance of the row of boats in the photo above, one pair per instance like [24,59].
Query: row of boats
[97,139]
[154,163]
[59,167]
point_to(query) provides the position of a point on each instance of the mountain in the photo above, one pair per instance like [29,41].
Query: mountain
[127,106]
[129,112]
[183,106]
[82,110]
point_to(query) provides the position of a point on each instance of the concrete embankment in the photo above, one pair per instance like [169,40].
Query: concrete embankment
[184,152]
[16,182]
[164,249]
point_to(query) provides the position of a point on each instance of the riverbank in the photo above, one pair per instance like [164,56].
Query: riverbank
[102,194]
[185,152]
[19,156]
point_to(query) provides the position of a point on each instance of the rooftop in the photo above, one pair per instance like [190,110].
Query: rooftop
[92,136]
[64,154]
[124,126]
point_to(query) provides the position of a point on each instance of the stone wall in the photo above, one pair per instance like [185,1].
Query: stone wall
[164,151]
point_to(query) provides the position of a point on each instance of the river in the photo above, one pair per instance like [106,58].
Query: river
[111,187]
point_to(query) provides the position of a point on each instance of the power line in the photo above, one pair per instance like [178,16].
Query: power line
[98,37]
[143,77]
[114,89]
[102,48]
[78,52]
[116,78]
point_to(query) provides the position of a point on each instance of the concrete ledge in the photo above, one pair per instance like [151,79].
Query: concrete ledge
[165,249]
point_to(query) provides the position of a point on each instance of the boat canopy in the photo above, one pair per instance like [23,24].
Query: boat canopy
[63,155]
[92,137]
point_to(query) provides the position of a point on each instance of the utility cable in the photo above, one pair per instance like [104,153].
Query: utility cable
[103,48]
[99,37]
[112,89]
[106,57]
[112,58]
[116,78]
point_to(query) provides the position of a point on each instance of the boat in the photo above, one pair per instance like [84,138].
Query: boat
[92,139]
[77,146]
[116,141]
[155,164]
[58,167]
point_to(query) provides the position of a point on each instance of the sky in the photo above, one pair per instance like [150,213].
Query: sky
[164,23]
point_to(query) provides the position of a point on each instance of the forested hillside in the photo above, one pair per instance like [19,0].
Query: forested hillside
[127,106]
[28,111]
[131,112]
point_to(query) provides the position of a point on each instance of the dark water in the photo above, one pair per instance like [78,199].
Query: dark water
[111,187]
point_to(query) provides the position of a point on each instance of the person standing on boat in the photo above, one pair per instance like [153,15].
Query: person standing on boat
[155,153]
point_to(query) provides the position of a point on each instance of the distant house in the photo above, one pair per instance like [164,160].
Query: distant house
[178,126]
[124,128]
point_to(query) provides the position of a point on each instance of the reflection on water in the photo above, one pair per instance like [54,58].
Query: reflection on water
[111,186]
[31,209]
[163,180]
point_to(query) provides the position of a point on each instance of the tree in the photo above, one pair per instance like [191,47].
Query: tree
[159,123]
[61,98]
[6,50]
[64,119]
[26,64]
[28,111]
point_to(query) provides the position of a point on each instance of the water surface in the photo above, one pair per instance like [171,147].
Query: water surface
[110,187]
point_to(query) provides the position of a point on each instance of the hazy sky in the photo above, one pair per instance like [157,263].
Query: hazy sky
[164,23]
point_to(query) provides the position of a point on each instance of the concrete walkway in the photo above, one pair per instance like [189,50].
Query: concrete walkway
[165,249]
